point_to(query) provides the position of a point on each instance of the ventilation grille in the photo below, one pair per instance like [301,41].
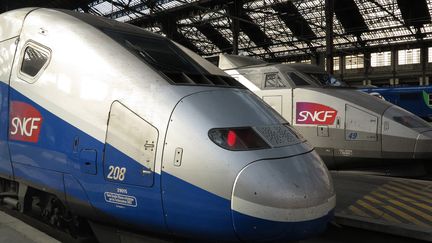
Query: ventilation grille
[203,80]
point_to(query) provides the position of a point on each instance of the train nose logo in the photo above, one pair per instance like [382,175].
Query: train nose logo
[25,122]
[313,113]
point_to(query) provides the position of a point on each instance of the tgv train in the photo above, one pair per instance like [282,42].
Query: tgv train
[417,100]
[103,122]
[349,129]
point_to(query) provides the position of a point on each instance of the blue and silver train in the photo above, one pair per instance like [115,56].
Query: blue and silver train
[417,100]
[103,123]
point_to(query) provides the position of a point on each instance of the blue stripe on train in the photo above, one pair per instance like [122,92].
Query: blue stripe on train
[251,229]
[203,215]
[5,164]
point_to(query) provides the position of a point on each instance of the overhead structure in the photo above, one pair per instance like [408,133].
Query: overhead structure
[275,30]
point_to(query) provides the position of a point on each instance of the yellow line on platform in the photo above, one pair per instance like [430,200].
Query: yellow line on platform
[414,190]
[408,193]
[406,199]
[378,212]
[373,200]
[405,216]
[404,206]
[358,211]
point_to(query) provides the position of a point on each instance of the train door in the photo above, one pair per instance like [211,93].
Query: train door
[132,188]
[361,135]
[130,148]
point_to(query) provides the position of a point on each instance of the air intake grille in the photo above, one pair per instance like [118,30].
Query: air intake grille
[202,80]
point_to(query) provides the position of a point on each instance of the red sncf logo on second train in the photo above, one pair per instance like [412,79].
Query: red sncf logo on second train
[25,122]
[313,113]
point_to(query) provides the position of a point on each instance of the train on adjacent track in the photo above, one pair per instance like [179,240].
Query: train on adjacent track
[103,123]
[351,130]
[415,99]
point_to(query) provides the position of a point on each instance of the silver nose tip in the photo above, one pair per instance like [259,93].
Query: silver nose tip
[282,188]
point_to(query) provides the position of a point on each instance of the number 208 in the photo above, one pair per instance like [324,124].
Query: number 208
[116,173]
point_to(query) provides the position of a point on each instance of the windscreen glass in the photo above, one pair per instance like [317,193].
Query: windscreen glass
[325,79]
[410,121]
[297,80]
[406,118]
[161,53]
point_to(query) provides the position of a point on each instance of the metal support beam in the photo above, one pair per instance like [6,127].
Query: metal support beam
[169,27]
[329,10]
[236,7]
[424,61]
[391,14]
[394,64]
[215,37]
[366,63]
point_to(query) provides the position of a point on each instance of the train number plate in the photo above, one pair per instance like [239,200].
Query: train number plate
[120,199]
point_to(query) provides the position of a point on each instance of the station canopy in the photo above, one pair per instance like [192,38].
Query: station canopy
[270,29]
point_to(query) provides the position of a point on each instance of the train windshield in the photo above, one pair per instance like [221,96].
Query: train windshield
[161,53]
[410,121]
[180,65]
[406,118]
[326,80]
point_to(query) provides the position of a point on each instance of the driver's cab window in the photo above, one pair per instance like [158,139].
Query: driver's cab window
[273,80]
[297,80]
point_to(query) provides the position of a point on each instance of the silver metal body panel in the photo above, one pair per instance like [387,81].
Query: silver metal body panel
[12,22]
[203,162]
[137,140]
[308,195]
[7,53]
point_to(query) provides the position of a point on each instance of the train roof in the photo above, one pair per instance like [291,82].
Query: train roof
[105,23]
[13,21]
[198,72]
[307,68]
[227,61]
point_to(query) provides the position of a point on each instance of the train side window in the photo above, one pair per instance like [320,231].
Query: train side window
[297,80]
[34,60]
[273,80]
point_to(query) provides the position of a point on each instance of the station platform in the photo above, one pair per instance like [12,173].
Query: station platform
[15,230]
[385,204]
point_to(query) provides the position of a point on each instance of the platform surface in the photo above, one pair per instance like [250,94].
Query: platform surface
[385,204]
[14,230]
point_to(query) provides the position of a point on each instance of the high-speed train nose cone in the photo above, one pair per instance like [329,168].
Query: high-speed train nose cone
[282,199]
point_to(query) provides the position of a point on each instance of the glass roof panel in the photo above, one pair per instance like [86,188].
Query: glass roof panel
[379,14]
[105,8]
[383,18]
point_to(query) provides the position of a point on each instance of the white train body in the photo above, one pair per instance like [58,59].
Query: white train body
[348,128]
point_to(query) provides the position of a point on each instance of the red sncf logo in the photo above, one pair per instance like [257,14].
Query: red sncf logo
[25,122]
[313,113]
